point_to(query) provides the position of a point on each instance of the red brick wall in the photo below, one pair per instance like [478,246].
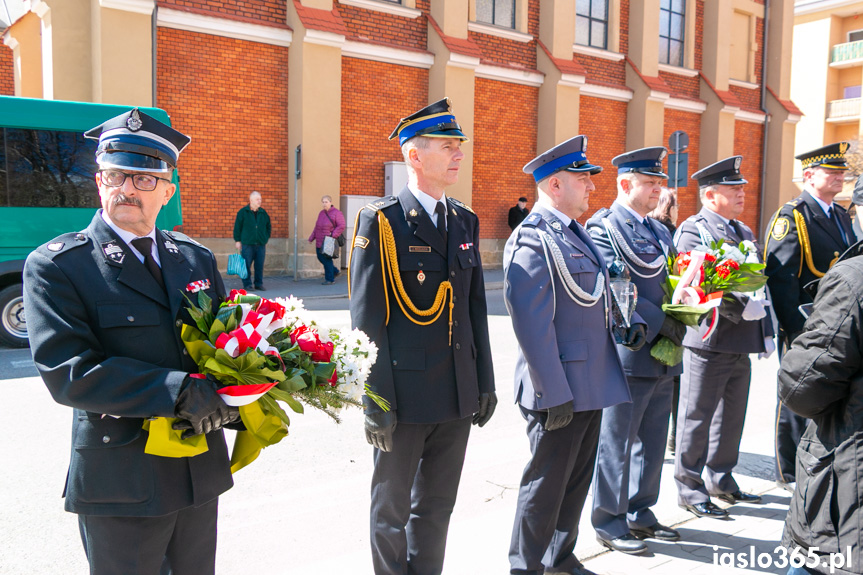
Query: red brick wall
[504,140]
[374,96]
[257,11]
[7,72]
[231,97]
[377,27]
[511,53]
[602,70]
[689,122]
[681,85]
[747,143]
[597,119]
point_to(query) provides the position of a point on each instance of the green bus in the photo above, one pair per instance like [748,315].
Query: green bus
[47,187]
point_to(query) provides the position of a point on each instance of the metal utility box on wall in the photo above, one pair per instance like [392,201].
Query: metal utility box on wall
[350,207]
[395,177]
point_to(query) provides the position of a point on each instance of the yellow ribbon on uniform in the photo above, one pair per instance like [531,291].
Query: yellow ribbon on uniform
[261,431]
[165,441]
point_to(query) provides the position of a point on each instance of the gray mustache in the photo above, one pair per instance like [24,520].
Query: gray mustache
[123,199]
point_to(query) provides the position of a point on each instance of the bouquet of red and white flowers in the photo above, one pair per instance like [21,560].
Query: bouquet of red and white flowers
[696,283]
[266,352]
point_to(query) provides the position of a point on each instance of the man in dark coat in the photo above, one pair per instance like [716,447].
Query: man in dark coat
[517,213]
[714,388]
[821,378]
[567,369]
[252,229]
[105,307]
[805,237]
[417,290]
[632,437]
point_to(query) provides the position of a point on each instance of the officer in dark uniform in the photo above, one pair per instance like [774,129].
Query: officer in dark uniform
[632,437]
[805,238]
[104,308]
[417,290]
[567,368]
[714,388]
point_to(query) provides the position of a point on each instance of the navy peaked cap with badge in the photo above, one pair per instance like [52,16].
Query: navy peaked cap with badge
[137,142]
[647,161]
[434,121]
[724,172]
[571,156]
[831,157]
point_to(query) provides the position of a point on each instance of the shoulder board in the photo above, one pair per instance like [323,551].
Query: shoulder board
[460,204]
[382,203]
[596,218]
[65,242]
[532,220]
[793,204]
[181,237]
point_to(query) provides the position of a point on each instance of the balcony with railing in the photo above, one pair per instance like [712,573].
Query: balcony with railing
[847,54]
[840,111]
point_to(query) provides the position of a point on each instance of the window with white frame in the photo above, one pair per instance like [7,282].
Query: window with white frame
[672,20]
[591,23]
[496,12]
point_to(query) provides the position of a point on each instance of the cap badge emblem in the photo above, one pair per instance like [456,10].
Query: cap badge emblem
[134,122]
[737,161]
[843,147]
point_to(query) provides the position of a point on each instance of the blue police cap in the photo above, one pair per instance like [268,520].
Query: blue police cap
[647,161]
[724,172]
[569,156]
[135,141]
[831,157]
[433,121]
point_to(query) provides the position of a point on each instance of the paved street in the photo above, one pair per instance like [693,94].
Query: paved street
[302,507]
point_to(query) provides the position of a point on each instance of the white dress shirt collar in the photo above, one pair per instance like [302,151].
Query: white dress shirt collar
[428,203]
[127,237]
[824,205]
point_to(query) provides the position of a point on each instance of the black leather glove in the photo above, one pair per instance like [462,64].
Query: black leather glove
[559,416]
[201,409]
[673,329]
[379,429]
[487,403]
[636,337]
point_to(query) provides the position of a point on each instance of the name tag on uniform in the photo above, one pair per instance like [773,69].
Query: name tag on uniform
[576,255]
[423,249]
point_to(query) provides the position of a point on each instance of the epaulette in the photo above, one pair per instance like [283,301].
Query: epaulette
[793,204]
[532,220]
[599,214]
[66,242]
[181,237]
[461,204]
[382,203]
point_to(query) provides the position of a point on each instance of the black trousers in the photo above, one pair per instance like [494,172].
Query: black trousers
[789,429]
[553,489]
[180,543]
[414,488]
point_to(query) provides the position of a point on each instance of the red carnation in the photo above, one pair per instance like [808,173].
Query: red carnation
[266,306]
[309,342]
[236,292]
[710,258]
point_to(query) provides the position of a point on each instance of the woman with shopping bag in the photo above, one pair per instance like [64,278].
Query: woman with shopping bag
[328,235]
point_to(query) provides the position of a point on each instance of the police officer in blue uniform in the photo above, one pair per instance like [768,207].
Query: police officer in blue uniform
[567,368]
[805,237]
[417,290]
[632,437]
[714,388]
[105,307]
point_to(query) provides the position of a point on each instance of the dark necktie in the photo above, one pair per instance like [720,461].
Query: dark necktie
[145,246]
[838,225]
[735,229]
[652,231]
[441,220]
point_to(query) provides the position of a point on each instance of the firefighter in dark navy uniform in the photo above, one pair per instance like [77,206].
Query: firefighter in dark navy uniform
[805,237]
[105,307]
[417,290]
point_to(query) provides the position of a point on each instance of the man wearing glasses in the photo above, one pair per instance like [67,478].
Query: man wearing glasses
[105,307]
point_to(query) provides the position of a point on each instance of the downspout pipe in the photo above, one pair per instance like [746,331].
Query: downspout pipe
[154,37]
[761,214]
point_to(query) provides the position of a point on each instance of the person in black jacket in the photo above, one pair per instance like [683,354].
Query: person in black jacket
[517,213]
[105,307]
[821,378]
[252,231]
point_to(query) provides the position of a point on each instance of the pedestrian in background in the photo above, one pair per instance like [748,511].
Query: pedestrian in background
[330,223]
[252,231]
[517,213]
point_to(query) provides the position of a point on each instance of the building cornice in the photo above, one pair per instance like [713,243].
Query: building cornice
[190,22]
[686,105]
[749,116]
[606,92]
[743,84]
[499,31]
[323,38]
[678,70]
[136,6]
[803,7]
[385,7]
[387,54]
[597,53]
[511,75]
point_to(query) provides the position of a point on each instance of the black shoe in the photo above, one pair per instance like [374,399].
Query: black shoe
[326,283]
[706,509]
[260,288]
[337,273]
[628,543]
[739,497]
[655,531]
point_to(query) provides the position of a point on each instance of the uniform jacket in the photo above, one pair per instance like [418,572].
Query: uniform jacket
[787,273]
[425,379]
[733,334]
[105,338]
[566,352]
[821,377]
[252,228]
[643,244]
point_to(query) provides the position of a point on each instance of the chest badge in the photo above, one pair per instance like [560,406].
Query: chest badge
[413,213]
[171,247]
[720,227]
[780,228]
[113,252]
[421,277]
[556,225]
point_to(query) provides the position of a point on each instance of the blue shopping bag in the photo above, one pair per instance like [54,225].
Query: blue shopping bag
[237,266]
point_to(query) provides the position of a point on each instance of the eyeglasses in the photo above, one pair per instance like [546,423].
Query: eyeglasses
[142,182]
